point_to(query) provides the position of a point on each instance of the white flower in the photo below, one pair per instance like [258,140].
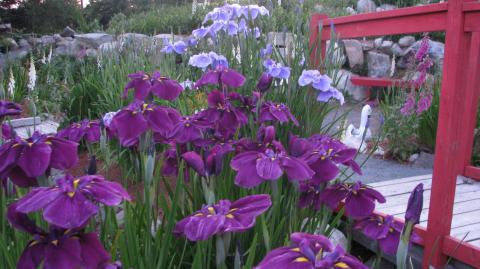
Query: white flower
[11,84]
[107,118]
[44,60]
[49,58]
[32,75]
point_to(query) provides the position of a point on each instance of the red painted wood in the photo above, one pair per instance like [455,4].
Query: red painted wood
[428,18]
[472,21]
[462,251]
[314,41]
[378,82]
[472,172]
[448,148]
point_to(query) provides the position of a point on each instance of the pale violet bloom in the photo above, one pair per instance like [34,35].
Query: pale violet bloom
[192,42]
[276,70]
[267,51]
[107,118]
[252,11]
[202,60]
[187,84]
[321,83]
[242,25]
[231,28]
[218,59]
[201,32]
[178,47]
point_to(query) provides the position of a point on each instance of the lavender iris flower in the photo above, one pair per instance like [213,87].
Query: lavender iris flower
[137,118]
[276,112]
[8,108]
[192,42]
[222,76]
[71,203]
[223,217]
[359,199]
[144,84]
[22,160]
[386,230]
[202,60]
[58,248]
[276,70]
[267,51]
[308,251]
[268,162]
[321,83]
[90,130]
[201,32]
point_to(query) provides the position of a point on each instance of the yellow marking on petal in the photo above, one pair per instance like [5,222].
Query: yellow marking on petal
[16,145]
[391,230]
[55,242]
[30,144]
[211,210]
[75,183]
[33,243]
[66,231]
[198,215]
[301,259]
[341,265]
[329,151]
[323,158]
[295,249]
[273,158]
[48,142]
[229,216]
[232,210]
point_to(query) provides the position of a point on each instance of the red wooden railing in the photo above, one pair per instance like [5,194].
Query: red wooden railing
[460,20]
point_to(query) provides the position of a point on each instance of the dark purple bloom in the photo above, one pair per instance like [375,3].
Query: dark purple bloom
[276,112]
[223,114]
[7,132]
[58,248]
[90,130]
[144,84]
[415,205]
[8,108]
[221,76]
[323,154]
[170,162]
[136,119]
[359,199]
[195,161]
[308,251]
[264,83]
[71,203]
[385,230]
[223,217]
[310,195]
[190,128]
[22,160]
[268,162]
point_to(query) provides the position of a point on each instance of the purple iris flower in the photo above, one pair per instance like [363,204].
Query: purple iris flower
[144,84]
[223,217]
[192,42]
[321,83]
[8,108]
[90,130]
[224,114]
[170,162]
[137,118]
[252,11]
[22,160]
[264,83]
[7,132]
[242,26]
[276,70]
[231,28]
[201,32]
[212,161]
[310,195]
[58,248]
[190,128]
[276,112]
[221,76]
[202,60]
[386,230]
[268,162]
[415,205]
[359,199]
[218,60]
[308,251]
[323,154]
[71,203]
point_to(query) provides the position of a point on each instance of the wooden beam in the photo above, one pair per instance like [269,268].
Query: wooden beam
[428,18]
[462,251]
[379,82]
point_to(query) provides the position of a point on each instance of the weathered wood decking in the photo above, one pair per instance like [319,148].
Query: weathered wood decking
[466,213]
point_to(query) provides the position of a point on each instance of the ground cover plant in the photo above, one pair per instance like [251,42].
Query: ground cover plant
[226,160]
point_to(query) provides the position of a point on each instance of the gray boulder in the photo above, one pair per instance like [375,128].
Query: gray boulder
[110,47]
[379,64]
[358,93]
[68,48]
[160,37]
[5,27]
[396,50]
[406,41]
[366,6]
[378,42]
[354,51]
[336,52]
[23,43]
[92,53]
[17,54]
[67,32]
[94,40]
[368,45]
[386,7]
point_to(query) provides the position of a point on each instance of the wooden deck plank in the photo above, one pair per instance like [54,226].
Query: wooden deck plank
[466,211]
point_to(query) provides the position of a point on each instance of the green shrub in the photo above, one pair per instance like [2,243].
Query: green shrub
[176,19]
